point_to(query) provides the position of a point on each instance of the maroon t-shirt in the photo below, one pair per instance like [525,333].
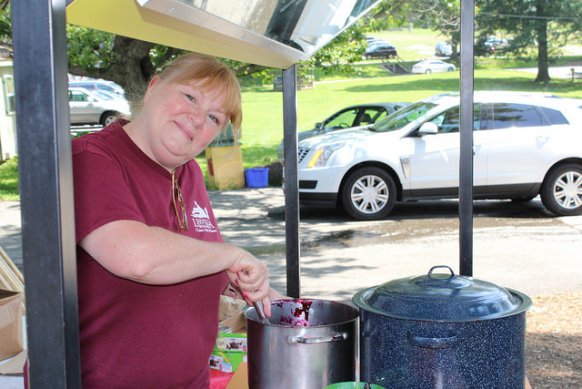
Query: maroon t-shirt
[135,335]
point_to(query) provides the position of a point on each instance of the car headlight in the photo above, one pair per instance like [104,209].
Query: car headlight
[322,155]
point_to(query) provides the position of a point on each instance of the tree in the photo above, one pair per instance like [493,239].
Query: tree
[440,15]
[540,23]
[129,62]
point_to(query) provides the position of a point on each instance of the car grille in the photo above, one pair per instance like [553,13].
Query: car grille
[302,153]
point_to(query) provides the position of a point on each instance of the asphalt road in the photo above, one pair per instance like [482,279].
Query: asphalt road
[515,245]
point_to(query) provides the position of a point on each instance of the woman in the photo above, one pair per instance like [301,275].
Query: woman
[151,261]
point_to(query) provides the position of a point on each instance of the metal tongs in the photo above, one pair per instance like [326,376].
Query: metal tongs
[260,312]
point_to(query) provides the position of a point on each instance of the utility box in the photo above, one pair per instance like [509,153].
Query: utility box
[225,164]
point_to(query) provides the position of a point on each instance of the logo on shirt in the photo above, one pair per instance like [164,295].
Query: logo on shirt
[201,219]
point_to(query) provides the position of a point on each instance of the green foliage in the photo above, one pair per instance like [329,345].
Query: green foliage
[5,25]
[90,49]
[9,179]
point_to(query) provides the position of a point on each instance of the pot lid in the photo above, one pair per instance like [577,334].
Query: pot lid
[441,296]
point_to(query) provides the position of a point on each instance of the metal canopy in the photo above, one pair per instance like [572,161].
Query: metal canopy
[274,33]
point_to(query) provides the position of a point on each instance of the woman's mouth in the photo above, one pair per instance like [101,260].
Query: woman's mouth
[185,130]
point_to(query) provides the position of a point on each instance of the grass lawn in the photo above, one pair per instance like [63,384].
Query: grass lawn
[9,180]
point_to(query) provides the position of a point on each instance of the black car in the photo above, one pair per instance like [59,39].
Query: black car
[352,116]
[380,50]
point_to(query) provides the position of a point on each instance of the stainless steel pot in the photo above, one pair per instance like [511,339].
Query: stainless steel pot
[307,344]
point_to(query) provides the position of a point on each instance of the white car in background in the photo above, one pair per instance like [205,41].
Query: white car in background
[429,66]
[109,87]
[525,144]
[95,107]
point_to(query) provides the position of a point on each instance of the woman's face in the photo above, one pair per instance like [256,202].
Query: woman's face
[181,119]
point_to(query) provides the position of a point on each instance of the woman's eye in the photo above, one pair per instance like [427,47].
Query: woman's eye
[214,119]
[190,97]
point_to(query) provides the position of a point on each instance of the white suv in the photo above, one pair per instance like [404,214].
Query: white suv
[524,144]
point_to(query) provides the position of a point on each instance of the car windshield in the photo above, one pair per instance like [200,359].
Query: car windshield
[402,117]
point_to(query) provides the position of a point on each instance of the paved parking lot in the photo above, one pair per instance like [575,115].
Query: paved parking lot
[516,245]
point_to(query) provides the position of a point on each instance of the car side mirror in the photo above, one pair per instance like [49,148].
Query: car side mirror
[428,128]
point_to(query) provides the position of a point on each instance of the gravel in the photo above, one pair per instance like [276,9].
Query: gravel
[553,350]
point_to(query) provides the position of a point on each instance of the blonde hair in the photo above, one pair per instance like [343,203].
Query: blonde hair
[208,73]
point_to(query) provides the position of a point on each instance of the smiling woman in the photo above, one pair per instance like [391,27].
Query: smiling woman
[148,241]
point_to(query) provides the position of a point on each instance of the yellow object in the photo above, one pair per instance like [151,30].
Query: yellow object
[128,18]
[225,167]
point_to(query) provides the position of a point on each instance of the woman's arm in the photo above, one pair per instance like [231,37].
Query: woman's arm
[153,255]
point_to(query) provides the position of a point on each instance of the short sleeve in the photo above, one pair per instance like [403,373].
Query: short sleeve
[102,193]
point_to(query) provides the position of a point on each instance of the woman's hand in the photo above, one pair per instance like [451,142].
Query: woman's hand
[251,277]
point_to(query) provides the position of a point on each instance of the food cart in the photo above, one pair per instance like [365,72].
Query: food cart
[267,32]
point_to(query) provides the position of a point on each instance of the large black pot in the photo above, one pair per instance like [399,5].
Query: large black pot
[442,331]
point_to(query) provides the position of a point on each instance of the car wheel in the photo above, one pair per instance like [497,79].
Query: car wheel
[107,118]
[369,193]
[428,71]
[450,69]
[562,190]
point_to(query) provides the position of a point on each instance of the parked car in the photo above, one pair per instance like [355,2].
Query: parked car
[429,66]
[100,85]
[493,44]
[380,49]
[94,107]
[443,49]
[349,117]
[525,144]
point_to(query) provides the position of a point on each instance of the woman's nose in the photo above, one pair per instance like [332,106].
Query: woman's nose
[196,116]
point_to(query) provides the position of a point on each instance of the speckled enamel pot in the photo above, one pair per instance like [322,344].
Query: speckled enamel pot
[442,331]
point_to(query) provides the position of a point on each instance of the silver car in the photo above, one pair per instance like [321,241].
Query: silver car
[94,107]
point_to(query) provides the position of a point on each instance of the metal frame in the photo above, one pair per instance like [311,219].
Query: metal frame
[291,181]
[48,228]
[46,188]
[466,134]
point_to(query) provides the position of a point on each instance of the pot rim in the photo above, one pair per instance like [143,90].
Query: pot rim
[361,301]
[254,316]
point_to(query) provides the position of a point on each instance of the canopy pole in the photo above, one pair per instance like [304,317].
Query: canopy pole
[46,193]
[291,181]
[466,133]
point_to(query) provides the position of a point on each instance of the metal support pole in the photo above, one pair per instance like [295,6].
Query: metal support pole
[466,156]
[46,193]
[291,181]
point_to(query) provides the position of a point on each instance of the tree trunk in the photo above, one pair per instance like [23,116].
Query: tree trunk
[132,68]
[542,37]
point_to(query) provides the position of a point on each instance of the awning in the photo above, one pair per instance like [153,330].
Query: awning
[265,32]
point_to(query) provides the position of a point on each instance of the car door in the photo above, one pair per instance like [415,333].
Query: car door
[513,138]
[437,66]
[82,107]
[434,163]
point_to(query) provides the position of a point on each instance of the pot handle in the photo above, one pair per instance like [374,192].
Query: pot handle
[435,343]
[322,339]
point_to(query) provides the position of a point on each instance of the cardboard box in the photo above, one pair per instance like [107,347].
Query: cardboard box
[230,349]
[11,337]
[240,378]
